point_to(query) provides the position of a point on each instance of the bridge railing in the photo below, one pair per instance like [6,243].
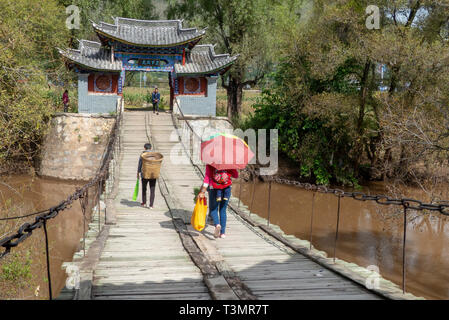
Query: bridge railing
[100,186]
[189,137]
[406,205]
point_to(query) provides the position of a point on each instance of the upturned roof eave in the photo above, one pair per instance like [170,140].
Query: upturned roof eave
[86,66]
[220,69]
[168,45]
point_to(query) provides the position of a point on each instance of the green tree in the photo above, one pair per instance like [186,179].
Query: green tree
[238,27]
[104,10]
[29,33]
[336,123]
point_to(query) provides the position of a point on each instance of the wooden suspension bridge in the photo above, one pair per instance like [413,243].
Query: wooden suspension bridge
[155,254]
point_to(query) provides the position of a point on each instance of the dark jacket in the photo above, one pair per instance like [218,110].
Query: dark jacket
[139,167]
[155,96]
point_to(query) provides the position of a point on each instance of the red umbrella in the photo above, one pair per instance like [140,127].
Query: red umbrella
[225,151]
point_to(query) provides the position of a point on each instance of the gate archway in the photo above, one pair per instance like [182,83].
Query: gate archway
[150,46]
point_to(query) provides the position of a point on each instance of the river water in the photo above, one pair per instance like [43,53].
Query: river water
[369,234]
[24,194]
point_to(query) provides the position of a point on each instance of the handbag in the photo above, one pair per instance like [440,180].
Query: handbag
[198,219]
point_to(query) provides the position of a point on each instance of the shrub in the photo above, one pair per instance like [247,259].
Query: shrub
[18,269]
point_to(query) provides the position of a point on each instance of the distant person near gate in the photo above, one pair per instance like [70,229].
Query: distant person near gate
[65,100]
[156,98]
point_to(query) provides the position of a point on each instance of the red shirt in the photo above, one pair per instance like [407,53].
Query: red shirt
[65,97]
[209,178]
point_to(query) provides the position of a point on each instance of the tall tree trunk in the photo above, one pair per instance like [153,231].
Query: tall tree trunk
[235,95]
[360,130]
[374,140]
[394,75]
[395,70]
[363,97]
[387,164]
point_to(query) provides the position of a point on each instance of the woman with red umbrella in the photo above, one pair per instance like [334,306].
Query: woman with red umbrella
[223,154]
[219,183]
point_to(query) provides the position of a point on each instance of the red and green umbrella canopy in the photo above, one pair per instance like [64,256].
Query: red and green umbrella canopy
[226,151]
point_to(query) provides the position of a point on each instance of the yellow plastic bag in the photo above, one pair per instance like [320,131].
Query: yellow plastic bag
[198,219]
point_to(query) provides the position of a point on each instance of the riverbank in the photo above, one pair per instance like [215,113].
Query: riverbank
[17,168]
[428,188]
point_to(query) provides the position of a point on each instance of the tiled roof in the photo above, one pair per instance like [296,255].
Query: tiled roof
[202,60]
[92,56]
[149,32]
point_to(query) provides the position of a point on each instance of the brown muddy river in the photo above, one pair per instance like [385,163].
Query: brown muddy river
[21,195]
[369,234]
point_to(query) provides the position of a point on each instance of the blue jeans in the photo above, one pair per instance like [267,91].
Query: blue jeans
[217,209]
[223,193]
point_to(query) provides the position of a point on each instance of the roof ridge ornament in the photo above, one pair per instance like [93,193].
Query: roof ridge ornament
[148,33]
[149,36]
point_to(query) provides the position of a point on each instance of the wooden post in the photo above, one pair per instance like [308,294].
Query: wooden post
[240,191]
[191,144]
[99,209]
[403,249]
[269,202]
[336,230]
[48,260]
[252,198]
[311,220]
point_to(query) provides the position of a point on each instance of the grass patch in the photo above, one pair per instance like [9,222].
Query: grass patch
[137,98]
[196,191]
[17,268]
[249,99]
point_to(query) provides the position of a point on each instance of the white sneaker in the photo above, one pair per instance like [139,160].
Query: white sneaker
[223,236]
[151,208]
[217,231]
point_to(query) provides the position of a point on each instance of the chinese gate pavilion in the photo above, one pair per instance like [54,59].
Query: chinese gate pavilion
[149,46]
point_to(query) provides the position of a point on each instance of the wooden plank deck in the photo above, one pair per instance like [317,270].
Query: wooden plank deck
[268,268]
[143,257]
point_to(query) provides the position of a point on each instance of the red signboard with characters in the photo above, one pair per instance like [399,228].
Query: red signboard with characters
[192,86]
[103,83]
